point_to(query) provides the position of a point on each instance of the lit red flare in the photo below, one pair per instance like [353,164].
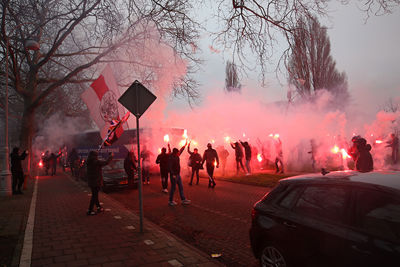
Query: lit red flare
[335,149]
[344,154]
[184,135]
[40,163]
[378,141]
[259,157]
[166,138]
[215,163]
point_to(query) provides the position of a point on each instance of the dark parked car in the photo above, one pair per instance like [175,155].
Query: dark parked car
[114,176]
[344,218]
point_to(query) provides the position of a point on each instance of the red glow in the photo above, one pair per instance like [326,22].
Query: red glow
[259,157]
[40,163]
[344,154]
[379,141]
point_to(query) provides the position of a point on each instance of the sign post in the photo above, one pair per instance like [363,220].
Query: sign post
[137,100]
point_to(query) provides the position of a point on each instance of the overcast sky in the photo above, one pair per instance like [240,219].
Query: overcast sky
[367,51]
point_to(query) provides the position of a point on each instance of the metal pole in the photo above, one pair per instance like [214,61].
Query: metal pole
[5,183]
[140,176]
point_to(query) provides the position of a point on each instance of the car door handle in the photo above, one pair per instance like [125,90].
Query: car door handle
[290,225]
[363,251]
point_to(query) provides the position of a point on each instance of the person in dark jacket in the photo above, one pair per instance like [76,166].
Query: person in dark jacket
[130,167]
[73,159]
[16,170]
[194,162]
[95,179]
[175,171]
[238,156]
[247,153]
[364,161]
[162,160]
[210,156]
[360,152]
[53,162]
[46,161]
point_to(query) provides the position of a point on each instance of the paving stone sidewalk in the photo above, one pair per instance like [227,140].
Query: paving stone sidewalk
[13,216]
[65,236]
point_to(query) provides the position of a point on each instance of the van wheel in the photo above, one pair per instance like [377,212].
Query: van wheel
[272,256]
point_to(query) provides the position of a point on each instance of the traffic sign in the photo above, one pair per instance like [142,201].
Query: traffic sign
[137,98]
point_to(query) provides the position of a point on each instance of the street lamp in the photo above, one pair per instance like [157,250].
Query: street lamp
[5,176]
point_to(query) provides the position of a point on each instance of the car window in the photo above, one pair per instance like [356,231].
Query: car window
[326,202]
[378,213]
[289,198]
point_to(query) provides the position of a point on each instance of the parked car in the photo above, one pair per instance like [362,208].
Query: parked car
[115,177]
[342,218]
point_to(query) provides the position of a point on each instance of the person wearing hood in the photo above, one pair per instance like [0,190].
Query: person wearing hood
[360,152]
[247,153]
[17,172]
[95,179]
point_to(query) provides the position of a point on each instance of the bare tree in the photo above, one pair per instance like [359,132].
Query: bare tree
[76,38]
[232,83]
[310,65]
[257,25]
[391,105]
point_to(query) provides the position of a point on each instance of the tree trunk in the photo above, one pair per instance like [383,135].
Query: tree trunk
[27,132]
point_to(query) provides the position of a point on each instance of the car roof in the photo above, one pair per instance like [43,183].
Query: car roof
[389,179]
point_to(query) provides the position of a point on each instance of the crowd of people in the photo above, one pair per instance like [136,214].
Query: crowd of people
[170,164]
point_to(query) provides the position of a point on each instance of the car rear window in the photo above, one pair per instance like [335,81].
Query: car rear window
[322,201]
[378,213]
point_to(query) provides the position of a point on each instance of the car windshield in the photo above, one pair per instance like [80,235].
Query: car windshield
[114,165]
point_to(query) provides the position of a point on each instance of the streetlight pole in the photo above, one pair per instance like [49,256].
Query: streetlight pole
[5,176]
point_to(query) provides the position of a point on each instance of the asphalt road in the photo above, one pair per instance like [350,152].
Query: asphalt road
[216,222]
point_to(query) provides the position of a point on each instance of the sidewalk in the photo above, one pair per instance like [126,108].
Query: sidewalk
[63,235]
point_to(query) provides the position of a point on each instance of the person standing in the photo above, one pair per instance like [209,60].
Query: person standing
[175,171]
[17,172]
[394,144]
[278,155]
[53,162]
[238,156]
[162,160]
[73,159]
[46,161]
[194,162]
[210,156]
[145,156]
[247,153]
[95,179]
[130,167]
[223,156]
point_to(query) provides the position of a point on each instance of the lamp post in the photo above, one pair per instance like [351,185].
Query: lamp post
[5,176]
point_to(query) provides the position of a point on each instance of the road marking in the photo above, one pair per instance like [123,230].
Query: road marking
[118,217]
[26,254]
[107,209]
[149,242]
[130,227]
[175,263]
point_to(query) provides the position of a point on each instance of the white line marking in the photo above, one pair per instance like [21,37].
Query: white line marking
[149,242]
[26,254]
